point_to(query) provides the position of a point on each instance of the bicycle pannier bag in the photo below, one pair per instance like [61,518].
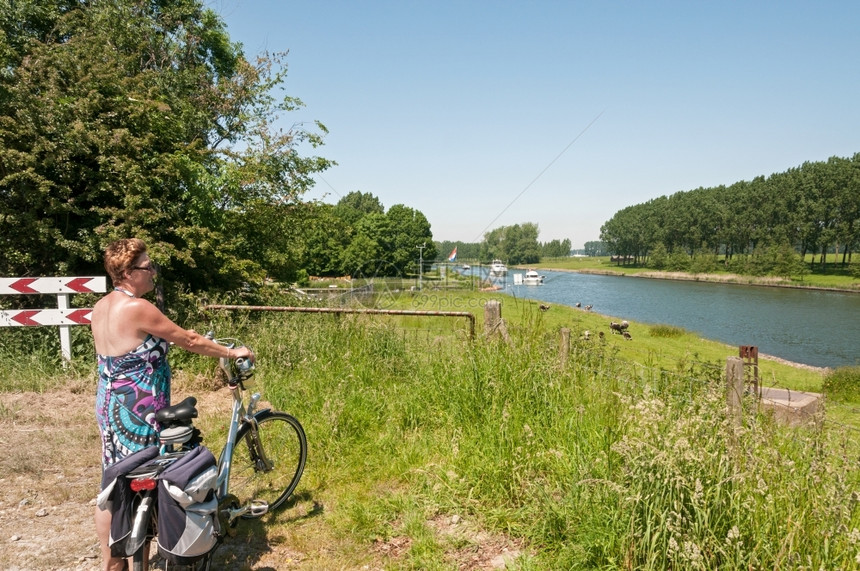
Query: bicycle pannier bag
[187,508]
[117,497]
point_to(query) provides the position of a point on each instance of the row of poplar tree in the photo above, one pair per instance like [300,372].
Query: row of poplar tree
[811,209]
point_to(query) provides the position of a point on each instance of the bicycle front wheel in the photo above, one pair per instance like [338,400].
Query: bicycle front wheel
[269,459]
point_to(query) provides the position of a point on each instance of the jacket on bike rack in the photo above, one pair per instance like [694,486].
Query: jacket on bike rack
[117,497]
[188,525]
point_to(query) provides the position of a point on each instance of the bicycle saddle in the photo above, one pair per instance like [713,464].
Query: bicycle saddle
[180,412]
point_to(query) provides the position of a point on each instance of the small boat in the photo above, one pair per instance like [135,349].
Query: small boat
[497,268]
[532,278]
[466,267]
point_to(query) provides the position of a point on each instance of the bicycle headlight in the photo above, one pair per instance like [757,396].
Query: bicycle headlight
[243,368]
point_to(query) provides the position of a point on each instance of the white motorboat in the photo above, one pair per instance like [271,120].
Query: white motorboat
[532,278]
[498,269]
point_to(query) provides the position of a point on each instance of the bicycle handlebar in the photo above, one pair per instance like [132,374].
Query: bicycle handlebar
[237,370]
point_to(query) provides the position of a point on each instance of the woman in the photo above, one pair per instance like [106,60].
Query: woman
[131,339]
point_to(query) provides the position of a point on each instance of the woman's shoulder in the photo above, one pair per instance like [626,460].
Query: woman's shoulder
[113,303]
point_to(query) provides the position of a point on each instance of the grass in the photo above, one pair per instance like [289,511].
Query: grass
[843,384]
[600,463]
[655,346]
[434,452]
[30,360]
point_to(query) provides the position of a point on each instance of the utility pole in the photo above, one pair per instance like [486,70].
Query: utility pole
[420,262]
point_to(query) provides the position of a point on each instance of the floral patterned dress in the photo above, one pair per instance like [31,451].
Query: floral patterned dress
[132,388]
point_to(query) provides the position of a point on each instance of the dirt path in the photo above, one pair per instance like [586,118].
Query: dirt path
[49,477]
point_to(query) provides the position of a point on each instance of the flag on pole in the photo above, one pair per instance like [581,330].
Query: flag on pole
[453,255]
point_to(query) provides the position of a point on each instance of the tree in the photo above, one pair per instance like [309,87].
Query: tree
[659,256]
[388,239]
[356,205]
[324,237]
[595,248]
[409,229]
[515,244]
[629,233]
[139,119]
[812,208]
[522,244]
[786,262]
[366,252]
[555,249]
[465,250]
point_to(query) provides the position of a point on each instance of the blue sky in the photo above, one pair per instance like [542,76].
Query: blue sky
[483,114]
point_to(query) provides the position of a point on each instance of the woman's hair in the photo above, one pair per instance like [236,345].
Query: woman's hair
[120,255]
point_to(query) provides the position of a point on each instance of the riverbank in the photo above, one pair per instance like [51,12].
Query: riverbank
[736,279]
[805,367]
[760,316]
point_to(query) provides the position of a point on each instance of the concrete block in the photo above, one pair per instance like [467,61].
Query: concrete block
[794,408]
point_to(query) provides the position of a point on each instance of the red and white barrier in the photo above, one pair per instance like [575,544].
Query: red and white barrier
[12,286]
[63,316]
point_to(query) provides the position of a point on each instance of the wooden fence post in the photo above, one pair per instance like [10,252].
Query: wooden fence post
[493,322]
[565,344]
[735,387]
[492,315]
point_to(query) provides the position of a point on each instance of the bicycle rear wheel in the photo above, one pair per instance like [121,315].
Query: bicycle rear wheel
[269,459]
[200,565]
[141,559]
[204,564]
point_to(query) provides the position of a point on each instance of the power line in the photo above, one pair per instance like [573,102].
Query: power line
[546,168]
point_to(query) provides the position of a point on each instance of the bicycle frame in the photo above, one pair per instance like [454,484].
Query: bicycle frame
[239,416]
[244,420]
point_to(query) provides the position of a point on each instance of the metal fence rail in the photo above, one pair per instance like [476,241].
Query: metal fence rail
[455,314]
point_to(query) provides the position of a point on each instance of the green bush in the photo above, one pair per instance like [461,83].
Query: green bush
[659,256]
[843,384]
[703,263]
[678,261]
[667,331]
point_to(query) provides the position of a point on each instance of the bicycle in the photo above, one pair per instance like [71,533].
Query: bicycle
[259,467]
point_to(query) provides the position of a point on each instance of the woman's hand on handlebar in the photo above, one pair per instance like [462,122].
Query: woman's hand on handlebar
[239,352]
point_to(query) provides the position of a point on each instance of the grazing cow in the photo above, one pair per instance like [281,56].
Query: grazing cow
[588,307]
[578,304]
[586,334]
[601,334]
[544,307]
[627,335]
[615,327]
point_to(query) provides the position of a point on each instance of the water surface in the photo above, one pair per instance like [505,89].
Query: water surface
[819,328]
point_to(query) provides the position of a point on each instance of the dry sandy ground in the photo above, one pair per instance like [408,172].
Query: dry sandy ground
[49,477]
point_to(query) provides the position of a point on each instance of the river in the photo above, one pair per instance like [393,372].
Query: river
[813,327]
